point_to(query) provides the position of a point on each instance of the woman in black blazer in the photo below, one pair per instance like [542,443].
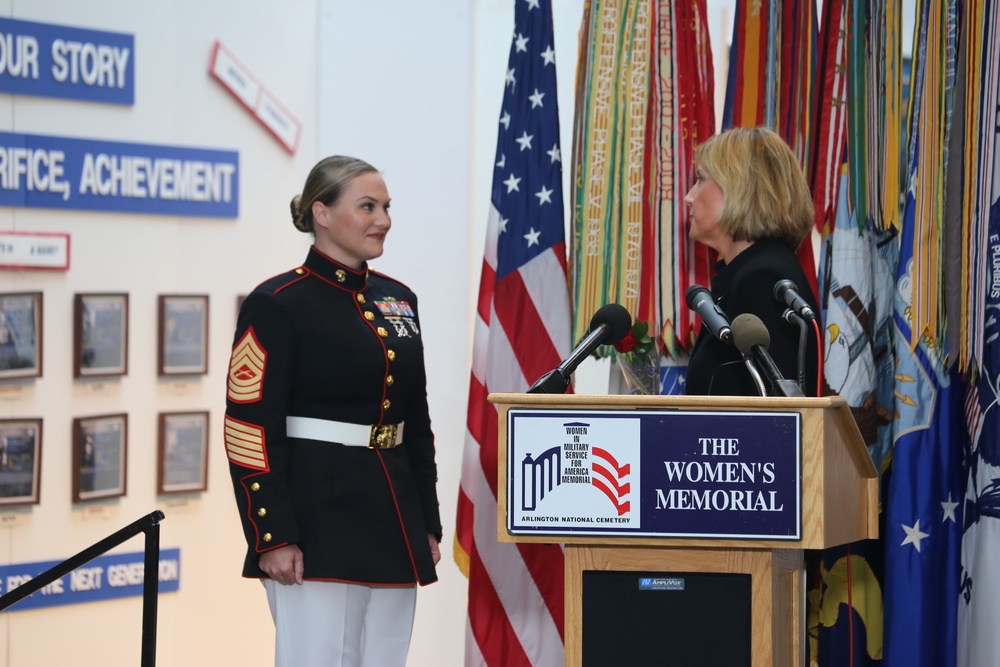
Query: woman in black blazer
[750,203]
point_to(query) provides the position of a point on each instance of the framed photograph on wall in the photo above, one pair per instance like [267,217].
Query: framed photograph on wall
[183,333]
[100,335]
[20,335]
[20,461]
[183,459]
[100,452]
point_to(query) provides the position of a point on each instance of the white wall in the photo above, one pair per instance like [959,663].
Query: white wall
[407,86]
[415,88]
[394,81]
[216,618]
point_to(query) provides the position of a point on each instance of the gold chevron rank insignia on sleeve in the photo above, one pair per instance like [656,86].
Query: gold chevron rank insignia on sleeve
[245,445]
[246,369]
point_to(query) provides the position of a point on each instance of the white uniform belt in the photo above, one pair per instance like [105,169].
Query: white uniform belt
[384,436]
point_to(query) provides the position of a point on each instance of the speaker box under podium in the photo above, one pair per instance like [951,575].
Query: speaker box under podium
[675,619]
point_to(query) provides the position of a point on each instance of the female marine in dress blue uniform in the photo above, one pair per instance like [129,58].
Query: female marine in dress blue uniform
[328,436]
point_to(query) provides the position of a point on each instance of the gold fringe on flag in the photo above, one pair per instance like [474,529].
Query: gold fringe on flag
[644,98]
[609,159]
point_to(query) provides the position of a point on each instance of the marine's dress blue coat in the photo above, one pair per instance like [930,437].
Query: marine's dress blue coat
[343,345]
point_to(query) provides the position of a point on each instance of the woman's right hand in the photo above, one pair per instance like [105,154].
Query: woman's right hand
[283,564]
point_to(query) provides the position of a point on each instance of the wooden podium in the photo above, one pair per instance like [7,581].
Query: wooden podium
[839,504]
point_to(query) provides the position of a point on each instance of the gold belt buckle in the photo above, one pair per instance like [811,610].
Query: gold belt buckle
[383,437]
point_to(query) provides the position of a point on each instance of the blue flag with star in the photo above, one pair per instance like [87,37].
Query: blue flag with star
[923,523]
[926,484]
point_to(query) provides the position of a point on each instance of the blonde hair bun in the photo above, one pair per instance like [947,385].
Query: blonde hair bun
[297,220]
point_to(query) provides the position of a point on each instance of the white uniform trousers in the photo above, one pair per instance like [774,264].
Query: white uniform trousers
[333,624]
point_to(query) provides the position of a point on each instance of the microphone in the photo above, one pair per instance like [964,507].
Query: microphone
[787,292]
[751,338]
[700,300]
[608,326]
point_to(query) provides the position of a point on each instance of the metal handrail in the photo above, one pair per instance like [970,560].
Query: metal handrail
[150,525]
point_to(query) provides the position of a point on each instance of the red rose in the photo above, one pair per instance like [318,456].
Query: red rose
[627,343]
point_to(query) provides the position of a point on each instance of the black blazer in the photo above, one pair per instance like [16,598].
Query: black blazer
[746,285]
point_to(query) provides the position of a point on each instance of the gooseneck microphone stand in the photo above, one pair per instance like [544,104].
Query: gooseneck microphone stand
[792,317]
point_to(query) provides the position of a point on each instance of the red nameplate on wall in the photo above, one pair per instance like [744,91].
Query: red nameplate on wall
[34,250]
[264,106]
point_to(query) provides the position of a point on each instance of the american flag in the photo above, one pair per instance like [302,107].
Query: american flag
[515,614]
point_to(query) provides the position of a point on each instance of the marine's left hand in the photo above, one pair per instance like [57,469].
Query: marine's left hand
[435,549]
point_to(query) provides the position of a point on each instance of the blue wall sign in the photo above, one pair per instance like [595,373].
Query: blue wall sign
[59,172]
[69,63]
[104,578]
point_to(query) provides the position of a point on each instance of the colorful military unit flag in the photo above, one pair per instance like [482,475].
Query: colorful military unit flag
[643,103]
[856,163]
[979,601]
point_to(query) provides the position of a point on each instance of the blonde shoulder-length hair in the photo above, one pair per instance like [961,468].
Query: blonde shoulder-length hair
[765,194]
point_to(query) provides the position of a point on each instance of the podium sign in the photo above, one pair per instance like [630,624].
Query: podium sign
[655,473]
[650,494]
